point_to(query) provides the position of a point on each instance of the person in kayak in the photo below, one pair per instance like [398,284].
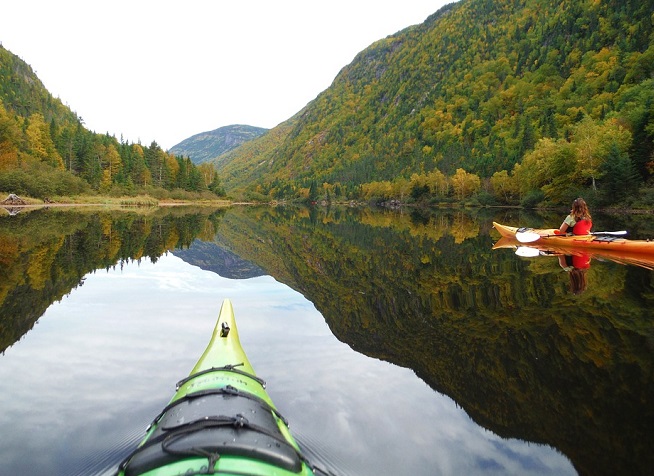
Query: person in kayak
[579,221]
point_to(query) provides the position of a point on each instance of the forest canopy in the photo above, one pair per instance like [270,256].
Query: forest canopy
[539,100]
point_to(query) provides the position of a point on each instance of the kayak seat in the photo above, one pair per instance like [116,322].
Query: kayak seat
[217,425]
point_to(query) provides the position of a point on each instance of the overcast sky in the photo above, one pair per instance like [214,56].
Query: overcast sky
[166,70]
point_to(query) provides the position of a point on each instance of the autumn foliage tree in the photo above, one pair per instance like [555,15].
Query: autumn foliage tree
[465,184]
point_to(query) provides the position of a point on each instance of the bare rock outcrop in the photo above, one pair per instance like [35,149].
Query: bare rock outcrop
[13,199]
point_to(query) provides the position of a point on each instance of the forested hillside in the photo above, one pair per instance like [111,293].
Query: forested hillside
[46,151]
[499,100]
[208,145]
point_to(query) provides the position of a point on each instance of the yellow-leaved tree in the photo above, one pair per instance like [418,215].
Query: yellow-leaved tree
[39,142]
[504,187]
[593,142]
[438,183]
[172,167]
[111,165]
[208,172]
[464,184]
[9,139]
[548,168]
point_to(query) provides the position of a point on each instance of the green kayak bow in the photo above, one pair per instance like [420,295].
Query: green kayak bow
[220,421]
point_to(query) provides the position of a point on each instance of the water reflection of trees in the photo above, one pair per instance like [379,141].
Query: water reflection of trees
[501,335]
[45,254]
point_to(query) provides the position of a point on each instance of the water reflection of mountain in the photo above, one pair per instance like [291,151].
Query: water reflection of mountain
[500,335]
[212,257]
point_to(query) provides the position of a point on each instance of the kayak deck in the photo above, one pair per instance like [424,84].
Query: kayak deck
[220,421]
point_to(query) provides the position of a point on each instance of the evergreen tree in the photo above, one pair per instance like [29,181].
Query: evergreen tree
[620,176]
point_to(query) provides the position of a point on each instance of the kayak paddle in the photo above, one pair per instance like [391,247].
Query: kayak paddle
[527,236]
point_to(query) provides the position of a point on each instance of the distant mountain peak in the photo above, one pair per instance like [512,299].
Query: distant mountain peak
[208,145]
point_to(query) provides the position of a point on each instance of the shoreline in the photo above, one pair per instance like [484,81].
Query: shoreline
[147,201]
[124,203]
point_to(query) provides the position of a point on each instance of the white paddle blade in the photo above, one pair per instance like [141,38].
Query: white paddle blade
[616,233]
[526,236]
[527,252]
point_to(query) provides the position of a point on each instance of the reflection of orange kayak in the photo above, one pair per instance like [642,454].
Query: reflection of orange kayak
[620,254]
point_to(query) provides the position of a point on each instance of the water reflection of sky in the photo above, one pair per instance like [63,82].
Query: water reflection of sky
[80,388]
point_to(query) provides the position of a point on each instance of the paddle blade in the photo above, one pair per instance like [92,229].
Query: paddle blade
[526,252]
[526,236]
[612,233]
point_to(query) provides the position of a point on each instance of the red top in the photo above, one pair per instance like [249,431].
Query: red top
[581,262]
[582,227]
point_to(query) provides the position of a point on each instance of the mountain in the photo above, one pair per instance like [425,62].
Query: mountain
[208,145]
[22,92]
[478,86]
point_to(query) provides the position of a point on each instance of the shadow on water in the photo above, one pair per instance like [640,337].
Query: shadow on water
[500,334]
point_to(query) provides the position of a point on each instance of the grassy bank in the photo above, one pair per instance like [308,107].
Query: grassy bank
[124,201]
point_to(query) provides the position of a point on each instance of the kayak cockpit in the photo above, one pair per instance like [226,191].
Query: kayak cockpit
[214,425]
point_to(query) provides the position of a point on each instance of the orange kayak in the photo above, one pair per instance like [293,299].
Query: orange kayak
[621,250]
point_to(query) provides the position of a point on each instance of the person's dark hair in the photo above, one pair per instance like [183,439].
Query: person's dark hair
[578,281]
[580,210]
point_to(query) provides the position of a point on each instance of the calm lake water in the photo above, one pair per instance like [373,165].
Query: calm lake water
[393,342]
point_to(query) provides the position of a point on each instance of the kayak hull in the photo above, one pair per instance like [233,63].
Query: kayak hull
[621,250]
[220,420]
